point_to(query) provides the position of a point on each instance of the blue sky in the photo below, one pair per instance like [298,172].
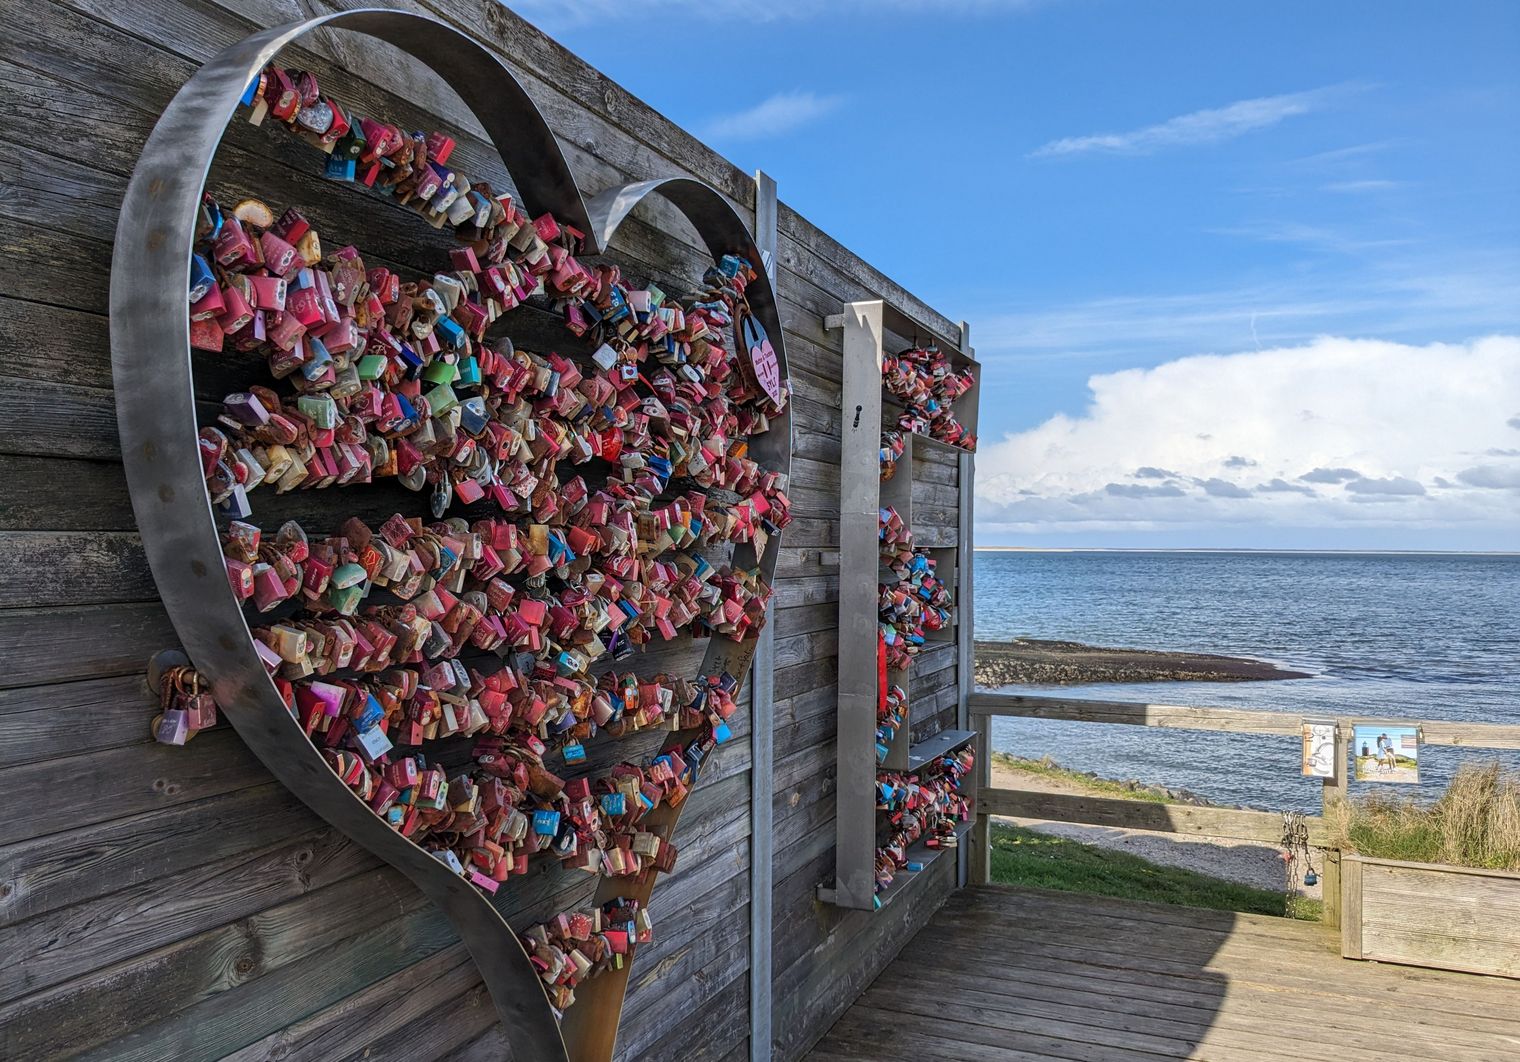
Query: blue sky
[1199,201]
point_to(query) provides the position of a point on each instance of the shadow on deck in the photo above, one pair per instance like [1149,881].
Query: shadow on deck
[1004,975]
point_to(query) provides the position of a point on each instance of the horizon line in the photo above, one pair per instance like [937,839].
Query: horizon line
[1247,549]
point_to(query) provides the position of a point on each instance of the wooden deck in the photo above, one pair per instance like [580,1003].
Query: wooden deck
[1002,975]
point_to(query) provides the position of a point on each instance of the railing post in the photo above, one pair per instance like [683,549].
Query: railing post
[1333,795]
[979,871]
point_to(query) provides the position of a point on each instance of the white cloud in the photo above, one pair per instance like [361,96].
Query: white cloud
[1386,422]
[1393,486]
[779,114]
[1492,477]
[1199,127]
[1278,485]
[1215,487]
[1330,475]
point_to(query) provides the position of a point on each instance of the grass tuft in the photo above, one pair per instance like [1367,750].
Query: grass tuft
[1024,857]
[1475,823]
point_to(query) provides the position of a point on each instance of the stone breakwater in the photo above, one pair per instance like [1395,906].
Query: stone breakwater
[1031,662]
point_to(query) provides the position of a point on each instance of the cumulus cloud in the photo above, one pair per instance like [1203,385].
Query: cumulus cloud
[1399,486]
[1279,485]
[1223,488]
[1236,461]
[1330,475]
[1514,422]
[1492,477]
[1136,490]
[1197,127]
[1391,423]
[779,114]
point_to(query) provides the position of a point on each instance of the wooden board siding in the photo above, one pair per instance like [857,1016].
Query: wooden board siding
[162,902]
[1422,914]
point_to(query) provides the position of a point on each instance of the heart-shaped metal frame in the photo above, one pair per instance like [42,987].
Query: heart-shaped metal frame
[153,375]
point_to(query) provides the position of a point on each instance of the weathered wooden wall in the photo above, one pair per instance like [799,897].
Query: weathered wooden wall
[176,903]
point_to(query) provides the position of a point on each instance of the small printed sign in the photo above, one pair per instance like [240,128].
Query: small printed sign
[1387,754]
[1319,750]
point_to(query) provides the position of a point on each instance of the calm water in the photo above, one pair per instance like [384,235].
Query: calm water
[1397,636]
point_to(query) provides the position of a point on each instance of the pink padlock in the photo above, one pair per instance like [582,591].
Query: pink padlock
[280,258]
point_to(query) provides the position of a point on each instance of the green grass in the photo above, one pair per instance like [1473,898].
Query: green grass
[1475,823]
[1047,768]
[1024,857]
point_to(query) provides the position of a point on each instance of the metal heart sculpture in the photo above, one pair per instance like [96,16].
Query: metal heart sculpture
[154,379]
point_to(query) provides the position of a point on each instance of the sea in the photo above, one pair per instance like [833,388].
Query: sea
[1405,636]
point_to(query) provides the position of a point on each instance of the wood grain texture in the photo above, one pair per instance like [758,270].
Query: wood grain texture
[1099,979]
[178,904]
[1446,918]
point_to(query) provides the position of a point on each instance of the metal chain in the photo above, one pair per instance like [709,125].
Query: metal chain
[1295,843]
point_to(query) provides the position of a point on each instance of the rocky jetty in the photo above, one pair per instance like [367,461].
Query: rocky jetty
[1031,661]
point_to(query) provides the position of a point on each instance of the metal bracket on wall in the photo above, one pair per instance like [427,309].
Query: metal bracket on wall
[866,326]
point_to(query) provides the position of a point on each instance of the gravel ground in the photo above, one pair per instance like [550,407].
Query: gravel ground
[1243,862]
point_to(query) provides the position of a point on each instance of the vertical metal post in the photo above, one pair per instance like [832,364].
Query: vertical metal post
[762,691]
[859,559]
[1333,794]
[965,611]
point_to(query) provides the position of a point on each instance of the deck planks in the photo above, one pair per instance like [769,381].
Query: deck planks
[1019,975]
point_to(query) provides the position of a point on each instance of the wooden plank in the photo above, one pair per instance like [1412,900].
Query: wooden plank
[1248,1000]
[1116,1028]
[38,722]
[1435,916]
[1301,967]
[1082,710]
[88,641]
[723,1028]
[82,567]
[811,992]
[59,419]
[61,494]
[228,1020]
[42,875]
[1067,928]
[1215,1000]
[1234,720]
[129,780]
[380,1021]
[71,941]
[1143,815]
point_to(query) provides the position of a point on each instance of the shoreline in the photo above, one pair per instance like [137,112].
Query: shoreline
[1045,662]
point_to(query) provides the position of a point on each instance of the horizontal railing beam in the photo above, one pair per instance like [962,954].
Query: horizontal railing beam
[1261,826]
[1218,718]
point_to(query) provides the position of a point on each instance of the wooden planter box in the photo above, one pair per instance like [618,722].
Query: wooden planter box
[1426,914]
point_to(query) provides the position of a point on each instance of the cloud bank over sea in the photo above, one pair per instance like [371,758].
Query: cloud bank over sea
[1336,433]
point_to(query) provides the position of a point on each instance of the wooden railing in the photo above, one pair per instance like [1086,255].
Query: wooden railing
[1231,823]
